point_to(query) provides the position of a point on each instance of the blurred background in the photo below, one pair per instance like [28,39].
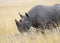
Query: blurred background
[9,12]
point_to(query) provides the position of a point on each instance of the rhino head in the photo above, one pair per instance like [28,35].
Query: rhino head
[23,25]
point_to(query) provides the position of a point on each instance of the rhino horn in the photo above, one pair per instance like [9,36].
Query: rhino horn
[20,15]
[17,23]
[27,15]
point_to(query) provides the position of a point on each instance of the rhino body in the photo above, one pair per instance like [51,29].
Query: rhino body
[40,17]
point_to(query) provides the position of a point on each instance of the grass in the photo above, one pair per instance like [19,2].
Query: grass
[10,34]
[32,37]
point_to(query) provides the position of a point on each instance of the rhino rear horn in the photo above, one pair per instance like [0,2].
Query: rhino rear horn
[20,15]
[27,15]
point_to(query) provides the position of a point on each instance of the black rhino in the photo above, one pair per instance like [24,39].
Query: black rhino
[40,17]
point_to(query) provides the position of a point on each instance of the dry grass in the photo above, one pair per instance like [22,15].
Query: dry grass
[32,37]
[8,29]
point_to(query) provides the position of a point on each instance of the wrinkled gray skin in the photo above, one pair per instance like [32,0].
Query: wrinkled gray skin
[40,17]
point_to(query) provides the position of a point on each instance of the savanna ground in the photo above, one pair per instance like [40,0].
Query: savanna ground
[8,30]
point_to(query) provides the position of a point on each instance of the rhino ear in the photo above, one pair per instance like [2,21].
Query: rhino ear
[27,15]
[20,15]
[17,23]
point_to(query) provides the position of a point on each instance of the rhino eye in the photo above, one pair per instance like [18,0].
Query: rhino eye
[20,20]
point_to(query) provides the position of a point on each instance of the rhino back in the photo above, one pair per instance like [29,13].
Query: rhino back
[37,13]
[43,14]
[57,6]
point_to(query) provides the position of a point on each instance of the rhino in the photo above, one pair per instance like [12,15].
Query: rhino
[39,17]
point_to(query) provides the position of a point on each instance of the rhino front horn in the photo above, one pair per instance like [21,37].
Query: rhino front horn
[17,23]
